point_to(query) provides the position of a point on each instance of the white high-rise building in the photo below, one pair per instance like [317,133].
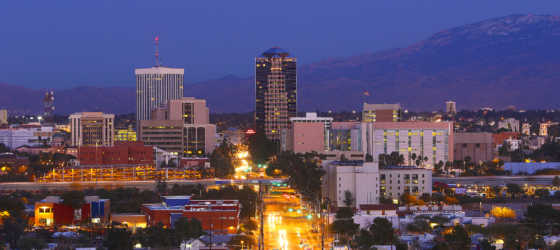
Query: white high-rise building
[155,87]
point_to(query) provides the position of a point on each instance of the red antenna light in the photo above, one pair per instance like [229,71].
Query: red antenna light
[156,40]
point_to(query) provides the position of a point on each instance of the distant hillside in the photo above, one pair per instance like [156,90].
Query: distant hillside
[511,60]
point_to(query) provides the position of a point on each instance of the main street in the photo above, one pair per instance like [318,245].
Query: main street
[287,223]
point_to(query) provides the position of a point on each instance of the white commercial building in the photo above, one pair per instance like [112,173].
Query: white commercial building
[16,137]
[359,178]
[155,87]
[431,140]
[397,180]
[509,124]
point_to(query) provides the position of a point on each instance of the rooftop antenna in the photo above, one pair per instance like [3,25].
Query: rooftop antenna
[156,41]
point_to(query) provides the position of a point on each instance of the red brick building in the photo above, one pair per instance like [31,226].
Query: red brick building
[120,153]
[219,216]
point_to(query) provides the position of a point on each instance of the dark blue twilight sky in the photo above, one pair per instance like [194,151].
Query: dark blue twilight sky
[65,43]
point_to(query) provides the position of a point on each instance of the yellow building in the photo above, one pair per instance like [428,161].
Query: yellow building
[44,216]
[125,134]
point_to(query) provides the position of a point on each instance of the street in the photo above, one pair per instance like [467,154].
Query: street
[287,224]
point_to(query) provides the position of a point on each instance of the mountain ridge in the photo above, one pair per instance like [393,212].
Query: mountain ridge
[497,62]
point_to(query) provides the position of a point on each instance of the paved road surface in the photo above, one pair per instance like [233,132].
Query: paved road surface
[287,230]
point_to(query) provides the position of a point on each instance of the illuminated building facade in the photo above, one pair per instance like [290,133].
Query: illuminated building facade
[182,127]
[381,112]
[218,216]
[125,134]
[431,140]
[155,87]
[120,153]
[275,92]
[92,129]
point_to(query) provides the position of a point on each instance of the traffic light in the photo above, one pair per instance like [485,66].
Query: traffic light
[290,210]
[309,216]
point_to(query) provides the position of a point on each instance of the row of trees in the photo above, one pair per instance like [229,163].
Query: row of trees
[303,171]
[155,236]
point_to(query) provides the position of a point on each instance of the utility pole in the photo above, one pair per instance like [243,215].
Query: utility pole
[261,214]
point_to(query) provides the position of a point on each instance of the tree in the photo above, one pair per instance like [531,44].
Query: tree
[222,160]
[496,190]
[74,198]
[542,193]
[240,240]
[382,231]
[426,197]
[503,212]
[30,243]
[303,171]
[186,230]
[514,189]
[393,159]
[348,199]
[419,226]
[344,224]
[161,187]
[458,238]
[556,181]
[118,238]
[12,230]
[261,148]
[369,158]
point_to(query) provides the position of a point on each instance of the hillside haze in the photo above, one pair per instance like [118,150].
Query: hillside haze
[499,62]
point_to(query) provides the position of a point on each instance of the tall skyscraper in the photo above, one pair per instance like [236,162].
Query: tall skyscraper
[155,87]
[276,92]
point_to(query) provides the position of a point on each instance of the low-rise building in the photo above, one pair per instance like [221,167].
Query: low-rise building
[52,211]
[308,134]
[510,124]
[478,146]
[129,221]
[432,140]
[120,153]
[397,180]
[26,135]
[218,216]
[360,179]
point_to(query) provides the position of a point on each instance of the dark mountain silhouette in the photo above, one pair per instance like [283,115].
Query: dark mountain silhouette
[511,60]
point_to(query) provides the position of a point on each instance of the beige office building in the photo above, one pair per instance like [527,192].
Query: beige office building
[381,112]
[3,116]
[182,127]
[92,129]
[397,180]
[479,146]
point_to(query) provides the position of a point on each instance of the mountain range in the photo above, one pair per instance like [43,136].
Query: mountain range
[512,60]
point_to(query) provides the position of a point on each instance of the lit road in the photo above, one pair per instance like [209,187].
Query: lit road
[497,180]
[143,185]
[284,227]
